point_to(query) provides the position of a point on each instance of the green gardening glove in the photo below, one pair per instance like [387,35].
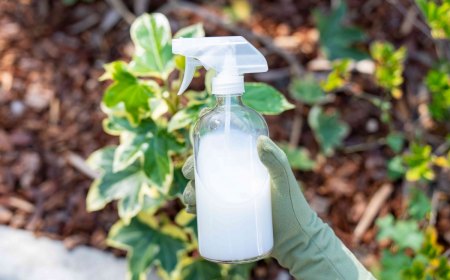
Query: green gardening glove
[303,243]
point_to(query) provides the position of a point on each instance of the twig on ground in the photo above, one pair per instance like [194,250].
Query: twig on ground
[442,149]
[17,203]
[296,68]
[120,7]
[84,24]
[37,214]
[372,210]
[43,8]
[110,19]
[408,21]
[434,206]
[361,147]
[446,253]
[79,163]
[419,24]
[297,125]
[141,6]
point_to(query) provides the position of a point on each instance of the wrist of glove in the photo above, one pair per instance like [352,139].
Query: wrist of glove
[303,243]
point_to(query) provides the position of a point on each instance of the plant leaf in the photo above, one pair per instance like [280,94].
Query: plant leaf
[328,129]
[115,125]
[158,107]
[191,31]
[395,168]
[187,221]
[307,91]
[404,233]
[298,157]
[178,184]
[438,83]
[129,90]
[152,144]
[201,269]
[146,245]
[158,165]
[336,39]
[389,66]
[395,141]
[151,36]
[436,14]
[133,140]
[338,76]
[419,163]
[184,117]
[419,205]
[128,186]
[265,99]
[240,271]
[393,265]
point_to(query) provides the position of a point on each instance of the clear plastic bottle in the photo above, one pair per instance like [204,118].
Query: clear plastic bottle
[234,213]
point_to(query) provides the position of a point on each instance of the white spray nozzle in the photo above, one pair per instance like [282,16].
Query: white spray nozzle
[189,71]
[230,57]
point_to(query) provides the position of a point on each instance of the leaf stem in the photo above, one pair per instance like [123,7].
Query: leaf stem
[361,147]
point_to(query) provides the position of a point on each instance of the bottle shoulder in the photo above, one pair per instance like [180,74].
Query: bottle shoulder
[241,118]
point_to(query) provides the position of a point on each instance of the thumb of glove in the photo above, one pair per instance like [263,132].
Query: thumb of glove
[276,163]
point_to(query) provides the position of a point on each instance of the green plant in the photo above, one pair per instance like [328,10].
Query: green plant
[415,253]
[143,172]
[436,16]
[389,66]
[328,129]
[298,157]
[338,40]
[338,77]
[307,90]
[239,10]
[438,83]
[419,162]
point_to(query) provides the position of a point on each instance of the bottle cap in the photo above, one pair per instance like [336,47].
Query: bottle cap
[230,56]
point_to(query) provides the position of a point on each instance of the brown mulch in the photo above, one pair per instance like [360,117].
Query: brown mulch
[50,98]
[50,60]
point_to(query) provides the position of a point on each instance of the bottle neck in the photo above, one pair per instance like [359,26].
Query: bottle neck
[234,99]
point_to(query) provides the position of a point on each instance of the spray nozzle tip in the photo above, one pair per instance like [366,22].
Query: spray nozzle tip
[189,71]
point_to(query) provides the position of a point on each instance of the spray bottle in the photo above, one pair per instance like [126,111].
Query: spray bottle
[234,213]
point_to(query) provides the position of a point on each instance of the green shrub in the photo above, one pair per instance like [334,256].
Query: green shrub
[338,40]
[415,252]
[389,66]
[438,84]
[437,16]
[143,172]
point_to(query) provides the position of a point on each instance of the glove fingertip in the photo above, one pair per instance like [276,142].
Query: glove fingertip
[191,209]
[267,149]
[273,158]
[189,194]
[188,168]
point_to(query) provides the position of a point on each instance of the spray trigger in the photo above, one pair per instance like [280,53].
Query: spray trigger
[189,71]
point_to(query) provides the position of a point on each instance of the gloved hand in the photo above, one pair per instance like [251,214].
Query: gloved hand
[303,243]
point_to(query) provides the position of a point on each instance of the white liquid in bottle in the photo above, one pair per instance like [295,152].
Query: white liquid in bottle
[233,198]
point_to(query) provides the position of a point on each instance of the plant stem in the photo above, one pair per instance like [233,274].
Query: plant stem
[120,7]
[175,5]
[361,147]
[297,125]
